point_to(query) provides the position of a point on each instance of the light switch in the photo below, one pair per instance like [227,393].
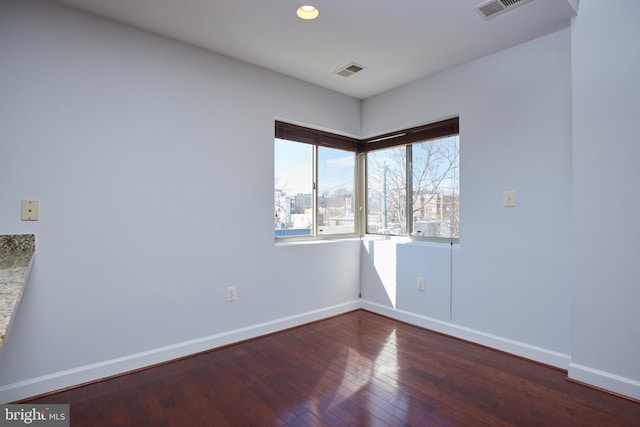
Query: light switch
[509,199]
[29,210]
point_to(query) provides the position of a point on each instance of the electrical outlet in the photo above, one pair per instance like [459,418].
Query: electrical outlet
[420,283]
[232,293]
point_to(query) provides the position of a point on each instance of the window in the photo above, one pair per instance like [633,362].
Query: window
[412,183]
[387,191]
[293,188]
[336,191]
[435,189]
[314,183]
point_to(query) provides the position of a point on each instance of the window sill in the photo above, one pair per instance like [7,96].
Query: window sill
[405,240]
[315,241]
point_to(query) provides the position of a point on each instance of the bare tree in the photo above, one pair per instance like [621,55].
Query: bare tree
[386,190]
[434,189]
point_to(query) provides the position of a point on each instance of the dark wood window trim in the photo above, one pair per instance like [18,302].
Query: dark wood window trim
[322,138]
[436,130]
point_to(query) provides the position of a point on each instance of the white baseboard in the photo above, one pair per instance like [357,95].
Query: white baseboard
[605,380]
[589,376]
[88,373]
[96,371]
[541,355]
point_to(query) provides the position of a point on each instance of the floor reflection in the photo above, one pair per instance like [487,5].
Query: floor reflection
[357,377]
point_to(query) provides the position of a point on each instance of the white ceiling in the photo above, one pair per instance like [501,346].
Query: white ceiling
[397,41]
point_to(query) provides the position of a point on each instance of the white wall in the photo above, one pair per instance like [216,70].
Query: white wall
[606,108]
[151,162]
[148,159]
[512,269]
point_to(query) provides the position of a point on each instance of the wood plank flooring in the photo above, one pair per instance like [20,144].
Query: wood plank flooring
[357,369]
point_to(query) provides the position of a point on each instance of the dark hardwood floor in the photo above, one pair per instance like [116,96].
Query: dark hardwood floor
[357,369]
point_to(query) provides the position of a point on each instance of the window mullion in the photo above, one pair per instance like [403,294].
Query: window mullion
[360,181]
[409,190]
[316,205]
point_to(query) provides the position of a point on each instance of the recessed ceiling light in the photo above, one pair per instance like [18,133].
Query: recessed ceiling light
[308,12]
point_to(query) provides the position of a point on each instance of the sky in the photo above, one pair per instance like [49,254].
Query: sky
[293,165]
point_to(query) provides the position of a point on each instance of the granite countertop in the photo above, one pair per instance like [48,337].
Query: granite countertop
[16,256]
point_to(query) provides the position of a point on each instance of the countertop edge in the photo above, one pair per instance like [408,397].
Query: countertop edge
[17,253]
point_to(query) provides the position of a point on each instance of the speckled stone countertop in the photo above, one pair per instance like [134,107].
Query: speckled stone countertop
[16,256]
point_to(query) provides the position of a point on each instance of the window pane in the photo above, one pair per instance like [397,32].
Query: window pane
[293,188]
[386,191]
[336,171]
[435,209]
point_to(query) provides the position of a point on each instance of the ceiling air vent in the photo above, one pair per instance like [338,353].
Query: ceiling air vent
[492,8]
[349,70]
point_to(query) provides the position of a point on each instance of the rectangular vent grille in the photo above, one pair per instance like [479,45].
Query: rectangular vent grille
[349,70]
[492,8]
[511,3]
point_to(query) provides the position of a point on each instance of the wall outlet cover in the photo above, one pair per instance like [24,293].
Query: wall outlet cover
[509,199]
[29,210]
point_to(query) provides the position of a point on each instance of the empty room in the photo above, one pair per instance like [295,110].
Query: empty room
[344,213]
